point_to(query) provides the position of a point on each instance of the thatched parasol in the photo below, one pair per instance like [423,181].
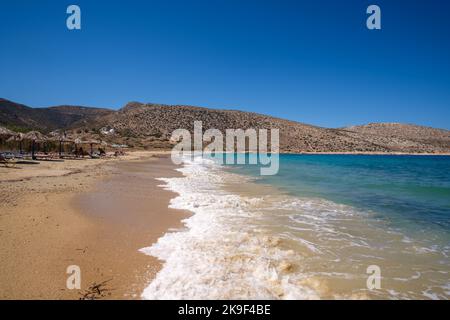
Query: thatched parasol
[34,136]
[77,141]
[91,144]
[18,137]
[60,139]
[6,132]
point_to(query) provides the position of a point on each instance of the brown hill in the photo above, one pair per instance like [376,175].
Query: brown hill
[147,124]
[151,126]
[404,137]
[19,117]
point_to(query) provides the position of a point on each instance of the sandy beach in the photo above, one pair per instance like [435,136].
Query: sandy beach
[95,214]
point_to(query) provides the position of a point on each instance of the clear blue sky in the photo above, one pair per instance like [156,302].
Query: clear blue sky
[310,61]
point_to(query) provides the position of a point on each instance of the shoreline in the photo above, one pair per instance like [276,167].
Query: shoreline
[76,213]
[263,243]
[363,153]
[368,153]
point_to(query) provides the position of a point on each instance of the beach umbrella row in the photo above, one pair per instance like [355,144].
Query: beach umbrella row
[36,137]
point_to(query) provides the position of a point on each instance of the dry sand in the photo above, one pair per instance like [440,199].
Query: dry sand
[95,214]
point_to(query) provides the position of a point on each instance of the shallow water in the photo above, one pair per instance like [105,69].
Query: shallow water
[309,232]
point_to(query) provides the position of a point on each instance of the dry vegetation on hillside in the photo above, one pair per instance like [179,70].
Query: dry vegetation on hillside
[151,126]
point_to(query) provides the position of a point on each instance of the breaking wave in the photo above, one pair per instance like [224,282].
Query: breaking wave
[255,244]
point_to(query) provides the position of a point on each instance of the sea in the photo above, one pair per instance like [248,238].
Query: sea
[323,227]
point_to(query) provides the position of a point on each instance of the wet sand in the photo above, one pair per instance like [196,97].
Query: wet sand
[94,214]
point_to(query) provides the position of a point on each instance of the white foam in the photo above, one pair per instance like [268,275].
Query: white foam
[234,246]
[219,255]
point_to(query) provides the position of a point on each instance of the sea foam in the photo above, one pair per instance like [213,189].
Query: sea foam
[220,254]
[243,242]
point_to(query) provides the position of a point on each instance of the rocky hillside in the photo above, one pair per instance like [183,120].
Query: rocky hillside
[151,126]
[404,137]
[147,124]
[19,117]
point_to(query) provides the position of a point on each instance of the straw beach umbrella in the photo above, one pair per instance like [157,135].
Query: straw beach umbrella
[77,141]
[18,137]
[91,144]
[5,134]
[61,139]
[34,137]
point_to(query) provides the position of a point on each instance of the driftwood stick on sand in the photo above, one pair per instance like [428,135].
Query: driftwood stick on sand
[96,291]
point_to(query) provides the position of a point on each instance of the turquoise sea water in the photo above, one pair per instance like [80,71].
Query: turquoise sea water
[408,191]
[400,213]
[315,230]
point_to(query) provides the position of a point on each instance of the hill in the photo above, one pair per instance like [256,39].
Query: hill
[151,126]
[404,137]
[22,118]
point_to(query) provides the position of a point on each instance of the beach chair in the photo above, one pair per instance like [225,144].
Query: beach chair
[7,160]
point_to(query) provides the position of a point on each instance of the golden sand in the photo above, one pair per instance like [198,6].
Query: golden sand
[95,214]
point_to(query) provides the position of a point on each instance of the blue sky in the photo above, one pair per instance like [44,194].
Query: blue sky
[310,61]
